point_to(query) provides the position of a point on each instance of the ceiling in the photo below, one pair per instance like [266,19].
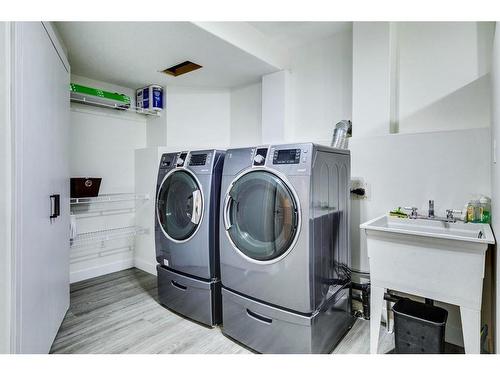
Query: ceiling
[293,34]
[132,54]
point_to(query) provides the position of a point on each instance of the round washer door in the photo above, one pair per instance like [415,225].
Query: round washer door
[179,205]
[261,216]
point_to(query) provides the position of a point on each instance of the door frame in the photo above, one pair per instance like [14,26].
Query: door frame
[6,169]
[16,111]
[295,197]
[200,188]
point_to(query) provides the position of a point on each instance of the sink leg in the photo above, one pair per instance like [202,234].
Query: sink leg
[376,303]
[471,326]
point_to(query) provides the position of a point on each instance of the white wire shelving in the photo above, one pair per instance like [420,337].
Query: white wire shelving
[133,109]
[109,198]
[105,235]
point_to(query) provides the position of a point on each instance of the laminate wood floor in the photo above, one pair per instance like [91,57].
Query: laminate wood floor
[119,313]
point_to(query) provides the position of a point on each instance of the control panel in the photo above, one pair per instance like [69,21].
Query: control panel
[287,156]
[260,157]
[166,161]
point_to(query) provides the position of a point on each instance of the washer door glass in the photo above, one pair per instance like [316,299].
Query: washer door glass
[179,205]
[261,215]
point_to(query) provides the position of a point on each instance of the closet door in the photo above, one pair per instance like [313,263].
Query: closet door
[41,115]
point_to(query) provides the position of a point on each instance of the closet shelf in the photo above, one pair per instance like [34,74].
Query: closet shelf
[138,110]
[101,212]
[101,236]
[110,198]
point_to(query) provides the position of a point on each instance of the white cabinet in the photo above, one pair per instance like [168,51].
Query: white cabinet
[41,138]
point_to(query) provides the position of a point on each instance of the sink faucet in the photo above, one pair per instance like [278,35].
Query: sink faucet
[431,208]
[450,215]
[414,212]
[450,218]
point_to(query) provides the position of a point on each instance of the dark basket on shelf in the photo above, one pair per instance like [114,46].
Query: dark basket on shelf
[419,328]
[84,187]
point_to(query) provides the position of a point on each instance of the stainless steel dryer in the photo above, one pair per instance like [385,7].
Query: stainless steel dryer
[187,233]
[285,251]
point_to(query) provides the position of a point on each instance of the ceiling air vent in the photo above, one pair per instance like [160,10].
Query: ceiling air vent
[182,68]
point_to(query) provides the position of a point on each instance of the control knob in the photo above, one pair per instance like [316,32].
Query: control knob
[259,159]
[180,162]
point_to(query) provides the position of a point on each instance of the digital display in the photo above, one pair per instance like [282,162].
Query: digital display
[290,156]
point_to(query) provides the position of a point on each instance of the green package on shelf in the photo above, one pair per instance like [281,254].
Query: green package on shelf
[84,90]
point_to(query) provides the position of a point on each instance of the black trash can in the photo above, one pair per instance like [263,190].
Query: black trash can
[418,328]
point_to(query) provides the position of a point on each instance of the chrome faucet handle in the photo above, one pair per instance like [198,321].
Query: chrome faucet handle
[431,208]
[414,212]
[450,214]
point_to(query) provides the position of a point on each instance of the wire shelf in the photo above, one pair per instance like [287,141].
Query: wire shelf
[141,111]
[93,213]
[110,198]
[102,236]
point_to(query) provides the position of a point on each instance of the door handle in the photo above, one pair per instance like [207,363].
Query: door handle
[227,207]
[177,285]
[55,206]
[259,317]
[196,214]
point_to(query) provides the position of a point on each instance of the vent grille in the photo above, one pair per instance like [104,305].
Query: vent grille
[182,68]
[197,159]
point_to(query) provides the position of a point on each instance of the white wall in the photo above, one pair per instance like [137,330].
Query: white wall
[276,106]
[495,172]
[103,144]
[197,118]
[5,189]
[443,80]
[304,102]
[371,78]
[246,115]
[156,130]
[321,87]
[146,172]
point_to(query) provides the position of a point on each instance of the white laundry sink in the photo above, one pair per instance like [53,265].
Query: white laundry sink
[430,259]
[472,232]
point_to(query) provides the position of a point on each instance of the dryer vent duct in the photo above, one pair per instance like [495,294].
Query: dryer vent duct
[182,68]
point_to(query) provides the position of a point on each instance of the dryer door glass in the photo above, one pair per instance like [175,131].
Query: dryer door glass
[262,215]
[179,205]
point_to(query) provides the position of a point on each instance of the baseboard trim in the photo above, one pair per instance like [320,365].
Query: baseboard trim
[145,266]
[104,269]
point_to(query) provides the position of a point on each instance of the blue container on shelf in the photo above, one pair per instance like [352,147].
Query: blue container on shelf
[149,98]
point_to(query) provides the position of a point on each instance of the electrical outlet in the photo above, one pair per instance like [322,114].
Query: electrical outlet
[359,183]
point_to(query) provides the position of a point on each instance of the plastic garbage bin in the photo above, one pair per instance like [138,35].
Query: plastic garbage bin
[418,328]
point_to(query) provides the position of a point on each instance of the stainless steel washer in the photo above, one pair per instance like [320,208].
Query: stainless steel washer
[187,233]
[285,251]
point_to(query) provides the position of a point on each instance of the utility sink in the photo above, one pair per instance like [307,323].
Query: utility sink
[433,259]
[472,232]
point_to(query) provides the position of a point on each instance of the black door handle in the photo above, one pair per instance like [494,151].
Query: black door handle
[55,206]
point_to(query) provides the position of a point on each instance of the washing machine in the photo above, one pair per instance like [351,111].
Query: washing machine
[285,247]
[187,234]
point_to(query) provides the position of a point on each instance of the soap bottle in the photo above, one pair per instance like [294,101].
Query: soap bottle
[473,214]
[484,209]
